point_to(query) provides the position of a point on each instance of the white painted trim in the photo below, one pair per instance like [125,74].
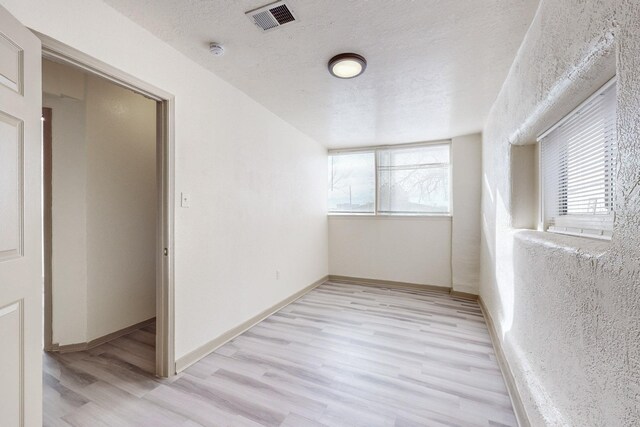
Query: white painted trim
[464,289]
[194,356]
[433,217]
[83,346]
[16,86]
[8,82]
[579,232]
[373,148]
[165,279]
[376,182]
[165,312]
[462,294]
[9,309]
[18,125]
[562,121]
[362,281]
[60,52]
[542,225]
[514,394]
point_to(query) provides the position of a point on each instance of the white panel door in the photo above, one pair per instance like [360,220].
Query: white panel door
[20,225]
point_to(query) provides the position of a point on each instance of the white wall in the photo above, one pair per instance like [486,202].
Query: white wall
[121,207]
[438,250]
[466,175]
[399,249]
[257,185]
[69,260]
[103,205]
[566,308]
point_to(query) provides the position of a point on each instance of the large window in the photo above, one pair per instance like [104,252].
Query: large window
[578,166]
[352,183]
[413,180]
[402,180]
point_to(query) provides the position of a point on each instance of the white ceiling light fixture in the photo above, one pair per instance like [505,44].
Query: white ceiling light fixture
[216,49]
[347,65]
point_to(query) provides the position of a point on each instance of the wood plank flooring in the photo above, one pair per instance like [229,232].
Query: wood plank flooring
[342,355]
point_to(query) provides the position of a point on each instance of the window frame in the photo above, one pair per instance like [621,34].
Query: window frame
[587,226]
[375,150]
[375,181]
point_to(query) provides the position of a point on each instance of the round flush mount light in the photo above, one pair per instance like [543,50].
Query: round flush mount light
[347,65]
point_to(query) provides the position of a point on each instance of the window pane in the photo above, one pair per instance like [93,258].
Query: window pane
[578,165]
[414,180]
[352,182]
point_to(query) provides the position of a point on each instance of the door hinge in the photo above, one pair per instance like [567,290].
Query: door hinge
[166,252]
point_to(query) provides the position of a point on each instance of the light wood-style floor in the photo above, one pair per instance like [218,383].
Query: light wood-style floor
[343,355]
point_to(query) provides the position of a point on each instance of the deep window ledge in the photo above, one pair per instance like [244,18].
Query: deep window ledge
[584,246]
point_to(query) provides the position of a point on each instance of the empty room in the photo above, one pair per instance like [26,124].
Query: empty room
[319,213]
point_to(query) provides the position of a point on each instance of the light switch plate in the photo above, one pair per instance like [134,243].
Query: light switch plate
[185,200]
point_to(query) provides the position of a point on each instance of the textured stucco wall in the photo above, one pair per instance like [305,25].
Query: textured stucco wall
[567,309]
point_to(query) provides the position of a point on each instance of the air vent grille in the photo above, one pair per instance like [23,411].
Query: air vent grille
[282,14]
[265,20]
[271,16]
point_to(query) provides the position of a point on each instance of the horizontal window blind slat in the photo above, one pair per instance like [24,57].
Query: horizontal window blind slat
[575,201]
[594,120]
[414,167]
[413,180]
[601,173]
[578,165]
[577,186]
[596,141]
[587,150]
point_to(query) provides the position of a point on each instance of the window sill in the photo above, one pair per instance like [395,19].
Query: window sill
[572,231]
[431,217]
[584,246]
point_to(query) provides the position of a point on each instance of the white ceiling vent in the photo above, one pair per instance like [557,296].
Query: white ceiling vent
[271,16]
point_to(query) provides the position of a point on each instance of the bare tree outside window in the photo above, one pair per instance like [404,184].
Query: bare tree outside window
[352,183]
[412,180]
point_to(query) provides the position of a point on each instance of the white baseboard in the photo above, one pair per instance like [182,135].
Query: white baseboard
[83,346]
[386,283]
[192,357]
[507,373]
[465,289]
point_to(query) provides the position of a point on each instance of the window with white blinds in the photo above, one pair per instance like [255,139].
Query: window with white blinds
[578,159]
[413,180]
[405,179]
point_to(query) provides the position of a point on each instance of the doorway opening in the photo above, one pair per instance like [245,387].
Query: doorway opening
[107,212]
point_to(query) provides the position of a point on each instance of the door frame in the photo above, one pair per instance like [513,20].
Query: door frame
[165,176]
[46,219]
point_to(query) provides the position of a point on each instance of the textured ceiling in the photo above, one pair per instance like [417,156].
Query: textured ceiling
[434,67]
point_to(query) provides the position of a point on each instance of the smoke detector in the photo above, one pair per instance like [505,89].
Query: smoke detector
[271,16]
[216,49]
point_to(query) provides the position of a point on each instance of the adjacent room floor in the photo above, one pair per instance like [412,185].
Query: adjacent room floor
[342,355]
